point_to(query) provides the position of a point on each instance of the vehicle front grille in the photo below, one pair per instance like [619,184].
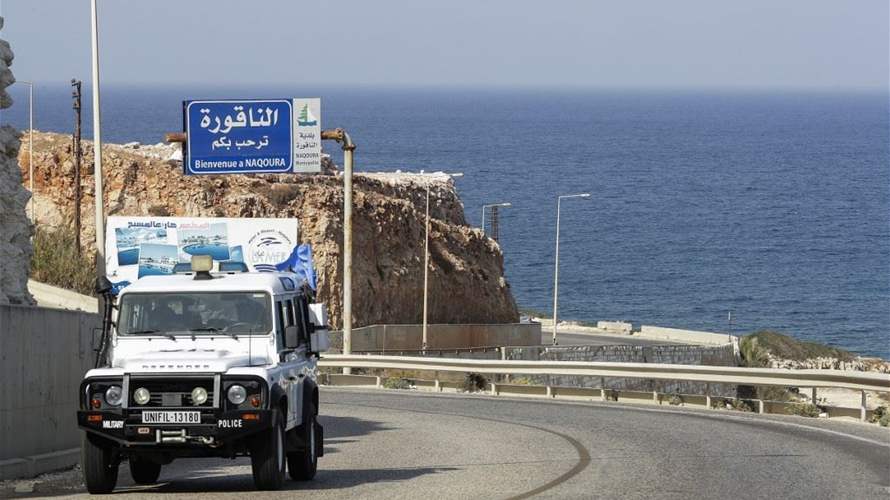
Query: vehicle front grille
[171,393]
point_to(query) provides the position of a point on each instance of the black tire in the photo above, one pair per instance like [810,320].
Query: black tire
[302,465]
[267,456]
[144,471]
[98,464]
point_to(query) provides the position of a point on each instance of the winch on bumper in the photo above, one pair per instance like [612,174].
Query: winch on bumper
[186,411]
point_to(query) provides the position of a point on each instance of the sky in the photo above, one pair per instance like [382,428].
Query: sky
[814,44]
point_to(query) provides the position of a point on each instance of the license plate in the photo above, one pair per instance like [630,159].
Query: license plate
[171,417]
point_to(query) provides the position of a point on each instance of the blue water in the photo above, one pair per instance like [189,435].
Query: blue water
[771,205]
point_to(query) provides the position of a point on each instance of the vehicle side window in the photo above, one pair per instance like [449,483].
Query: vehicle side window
[279,323]
[289,312]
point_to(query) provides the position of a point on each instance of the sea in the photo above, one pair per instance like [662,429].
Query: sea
[718,210]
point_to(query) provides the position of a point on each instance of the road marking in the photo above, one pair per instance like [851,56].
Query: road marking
[580,465]
[778,422]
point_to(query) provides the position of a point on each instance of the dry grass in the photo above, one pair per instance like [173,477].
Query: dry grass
[56,262]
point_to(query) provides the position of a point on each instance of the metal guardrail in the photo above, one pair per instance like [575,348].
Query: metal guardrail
[863,381]
[837,379]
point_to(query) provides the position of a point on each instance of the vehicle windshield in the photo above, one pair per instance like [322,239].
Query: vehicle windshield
[203,313]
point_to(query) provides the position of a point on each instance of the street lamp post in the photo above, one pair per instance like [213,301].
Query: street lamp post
[426,261]
[97,145]
[556,265]
[489,206]
[31,147]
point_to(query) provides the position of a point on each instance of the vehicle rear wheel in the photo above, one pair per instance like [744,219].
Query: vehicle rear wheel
[302,465]
[99,466]
[267,456]
[144,471]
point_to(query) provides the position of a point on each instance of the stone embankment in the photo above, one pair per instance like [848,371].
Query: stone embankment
[467,282]
[15,228]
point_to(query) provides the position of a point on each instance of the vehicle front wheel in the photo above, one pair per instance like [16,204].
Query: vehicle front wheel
[144,471]
[302,465]
[267,456]
[98,463]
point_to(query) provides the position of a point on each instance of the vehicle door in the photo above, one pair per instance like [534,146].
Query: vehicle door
[291,366]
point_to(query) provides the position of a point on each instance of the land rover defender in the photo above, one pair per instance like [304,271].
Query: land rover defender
[206,364]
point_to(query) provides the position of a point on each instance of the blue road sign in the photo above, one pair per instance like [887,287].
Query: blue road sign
[239,136]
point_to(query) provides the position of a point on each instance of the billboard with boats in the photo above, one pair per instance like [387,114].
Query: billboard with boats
[145,246]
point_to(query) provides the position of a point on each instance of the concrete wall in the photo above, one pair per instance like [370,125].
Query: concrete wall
[43,356]
[666,354]
[410,337]
[685,336]
[619,327]
[60,298]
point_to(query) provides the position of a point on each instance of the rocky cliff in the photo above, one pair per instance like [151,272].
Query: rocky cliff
[15,228]
[466,268]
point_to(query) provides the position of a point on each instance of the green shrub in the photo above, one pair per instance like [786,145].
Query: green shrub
[56,262]
[522,381]
[882,416]
[737,405]
[475,382]
[804,410]
[396,383]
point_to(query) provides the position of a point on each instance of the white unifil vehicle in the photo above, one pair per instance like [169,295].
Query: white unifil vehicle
[206,364]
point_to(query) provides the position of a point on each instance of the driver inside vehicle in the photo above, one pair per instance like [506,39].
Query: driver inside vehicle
[249,312]
[227,311]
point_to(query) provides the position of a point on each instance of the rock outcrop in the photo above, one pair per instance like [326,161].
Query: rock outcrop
[467,284]
[15,228]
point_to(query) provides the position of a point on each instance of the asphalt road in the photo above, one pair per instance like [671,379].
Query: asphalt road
[400,444]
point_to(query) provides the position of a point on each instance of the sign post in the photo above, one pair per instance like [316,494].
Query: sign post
[252,136]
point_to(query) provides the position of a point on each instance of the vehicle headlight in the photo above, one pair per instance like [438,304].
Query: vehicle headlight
[199,396]
[141,396]
[114,395]
[237,394]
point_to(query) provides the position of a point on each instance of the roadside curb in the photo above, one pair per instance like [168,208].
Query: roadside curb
[34,465]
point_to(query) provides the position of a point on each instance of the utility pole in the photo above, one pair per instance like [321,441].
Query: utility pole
[75,94]
[493,207]
[729,317]
[97,145]
[494,223]
[556,263]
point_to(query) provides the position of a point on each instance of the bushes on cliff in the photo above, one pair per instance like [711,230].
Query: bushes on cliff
[804,410]
[55,261]
[757,347]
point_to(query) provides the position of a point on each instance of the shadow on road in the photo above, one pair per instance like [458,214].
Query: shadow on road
[205,475]
[343,427]
[220,480]
[338,430]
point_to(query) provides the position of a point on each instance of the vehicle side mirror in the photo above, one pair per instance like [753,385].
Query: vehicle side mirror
[103,285]
[291,337]
[318,342]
